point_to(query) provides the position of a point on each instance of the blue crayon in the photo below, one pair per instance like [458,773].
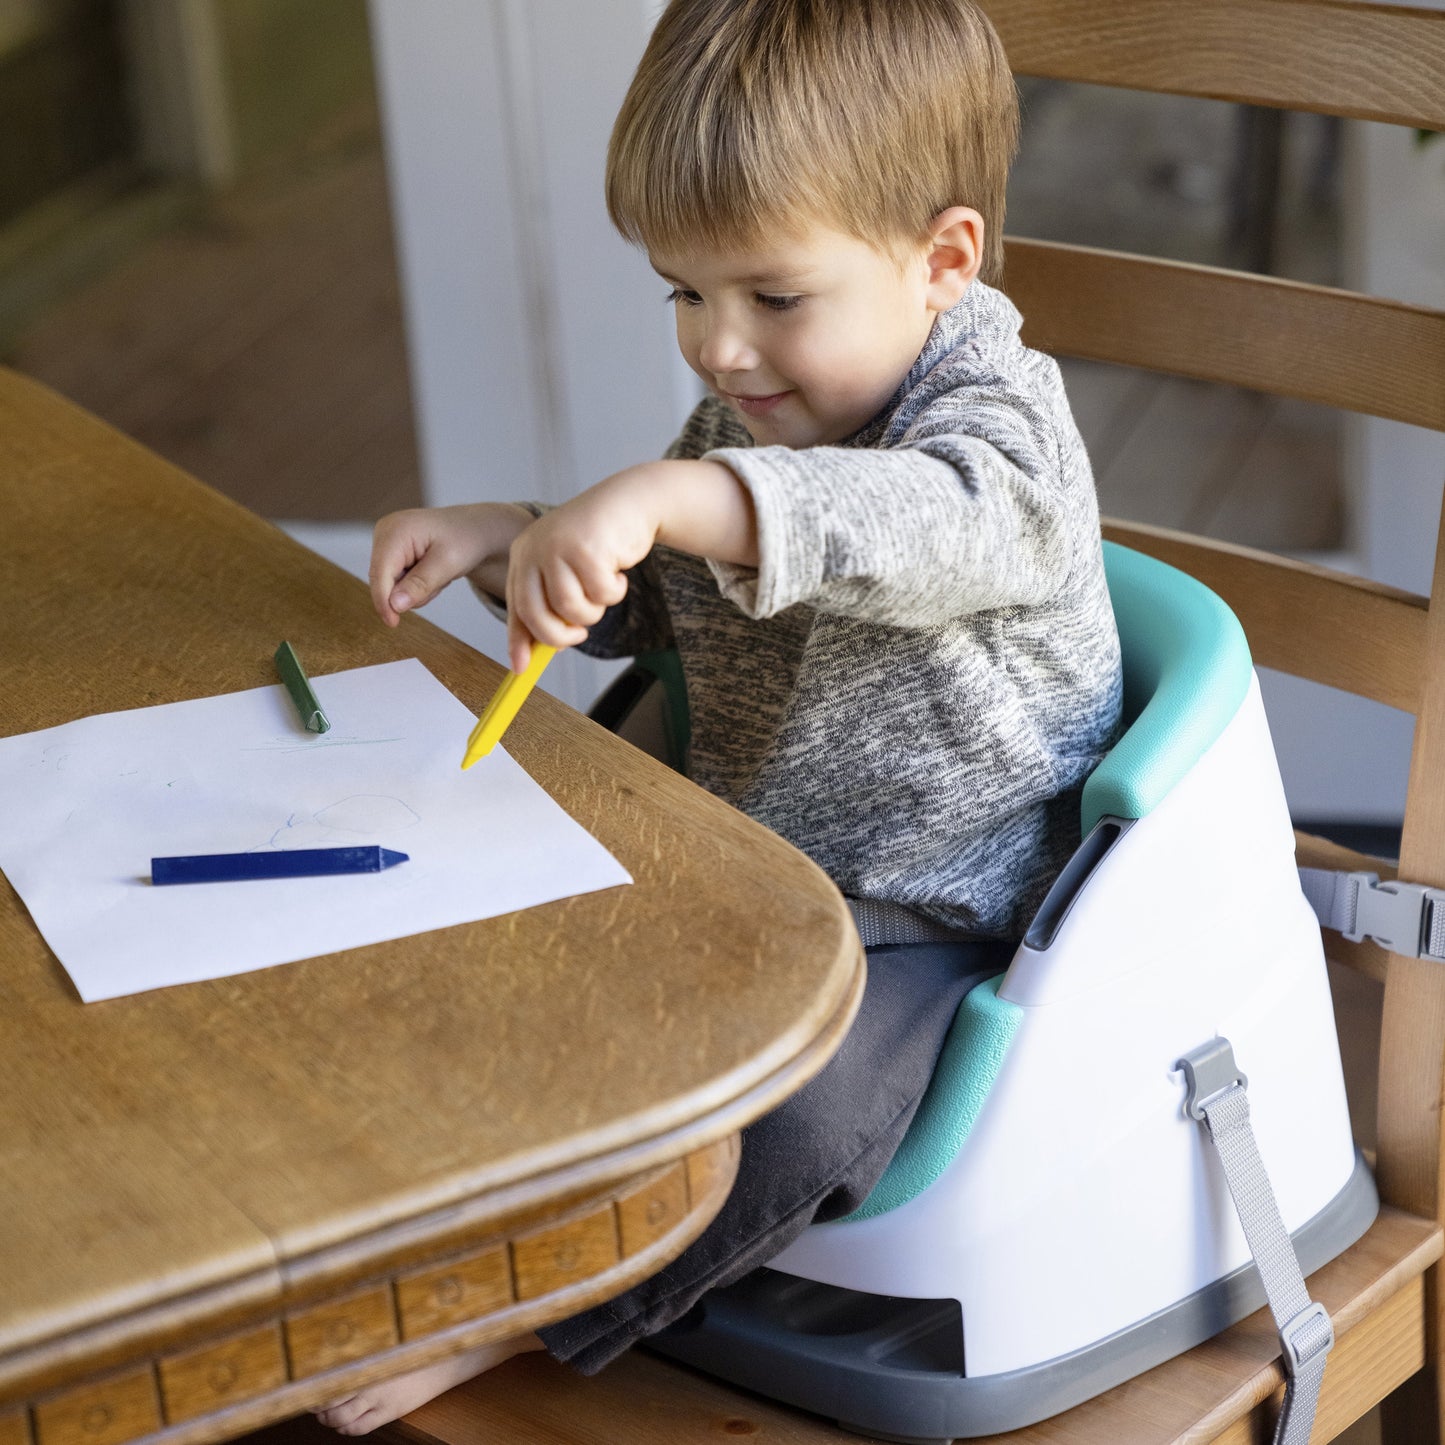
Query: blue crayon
[296,863]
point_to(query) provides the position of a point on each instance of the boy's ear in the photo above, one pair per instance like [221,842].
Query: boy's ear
[955,252]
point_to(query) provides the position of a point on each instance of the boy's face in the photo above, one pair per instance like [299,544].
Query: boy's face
[805,339]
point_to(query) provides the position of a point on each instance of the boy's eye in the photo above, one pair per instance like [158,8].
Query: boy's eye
[778,303]
[688,298]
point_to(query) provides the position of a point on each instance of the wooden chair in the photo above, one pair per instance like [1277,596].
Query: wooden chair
[1350,351]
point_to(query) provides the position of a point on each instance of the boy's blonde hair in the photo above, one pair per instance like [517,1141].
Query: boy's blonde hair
[867,116]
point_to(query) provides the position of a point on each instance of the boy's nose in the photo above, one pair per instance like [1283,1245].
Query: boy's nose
[725,348]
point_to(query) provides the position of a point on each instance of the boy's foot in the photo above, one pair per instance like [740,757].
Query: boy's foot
[387,1400]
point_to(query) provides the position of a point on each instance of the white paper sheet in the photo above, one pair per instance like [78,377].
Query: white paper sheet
[84,807]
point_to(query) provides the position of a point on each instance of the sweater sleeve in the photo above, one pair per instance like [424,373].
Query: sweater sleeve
[964,513]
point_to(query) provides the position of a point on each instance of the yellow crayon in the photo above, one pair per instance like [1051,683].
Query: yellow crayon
[504,704]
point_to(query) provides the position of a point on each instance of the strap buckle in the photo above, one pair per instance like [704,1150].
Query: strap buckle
[1302,1339]
[1406,918]
[1208,1071]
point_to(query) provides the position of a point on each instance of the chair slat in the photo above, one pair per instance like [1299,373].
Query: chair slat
[1259,332]
[1373,62]
[1344,631]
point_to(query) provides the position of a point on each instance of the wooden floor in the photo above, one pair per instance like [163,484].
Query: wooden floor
[259,346]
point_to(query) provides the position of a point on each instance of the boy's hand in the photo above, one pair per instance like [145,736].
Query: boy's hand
[415,554]
[567,567]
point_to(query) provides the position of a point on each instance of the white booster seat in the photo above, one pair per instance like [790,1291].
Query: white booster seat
[1057,1219]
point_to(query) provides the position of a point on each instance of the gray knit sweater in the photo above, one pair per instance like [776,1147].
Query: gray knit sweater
[915,681]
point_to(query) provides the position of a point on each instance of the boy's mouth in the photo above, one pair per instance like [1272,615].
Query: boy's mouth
[756,405]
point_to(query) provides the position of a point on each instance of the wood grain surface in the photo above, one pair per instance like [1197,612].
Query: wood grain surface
[1333,627]
[257,1376]
[1345,57]
[1260,332]
[190,1160]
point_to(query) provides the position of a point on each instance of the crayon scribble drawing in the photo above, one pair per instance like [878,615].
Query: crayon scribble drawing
[310,742]
[360,818]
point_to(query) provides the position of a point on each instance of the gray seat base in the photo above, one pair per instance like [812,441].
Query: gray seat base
[892,1368]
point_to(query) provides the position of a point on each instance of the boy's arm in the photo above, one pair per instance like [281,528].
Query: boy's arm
[416,553]
[945,524]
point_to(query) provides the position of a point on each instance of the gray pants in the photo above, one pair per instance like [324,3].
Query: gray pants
[818,1155]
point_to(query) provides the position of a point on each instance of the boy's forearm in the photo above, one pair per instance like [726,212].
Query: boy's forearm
[490,574]
[704,509]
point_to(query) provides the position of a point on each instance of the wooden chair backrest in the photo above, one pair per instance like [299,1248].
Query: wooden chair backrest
[1352,351]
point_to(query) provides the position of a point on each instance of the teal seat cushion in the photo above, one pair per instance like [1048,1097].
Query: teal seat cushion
[1187,669]
[973,1053]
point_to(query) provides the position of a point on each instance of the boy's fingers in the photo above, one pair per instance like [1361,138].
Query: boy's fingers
[612,589]
[523,593]
[519,648]
[599,581]
[393,550]
[382,602]
[342,1412]
[417,588]
[381,579]
[568,599]
[435,569]
[606,587]
[529,610]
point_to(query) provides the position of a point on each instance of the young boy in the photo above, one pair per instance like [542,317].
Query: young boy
[875,547]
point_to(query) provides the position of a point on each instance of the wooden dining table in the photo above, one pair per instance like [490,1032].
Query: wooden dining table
[227,1202]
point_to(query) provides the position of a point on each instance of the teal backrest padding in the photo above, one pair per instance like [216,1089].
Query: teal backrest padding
[973,1053]
[1187,669]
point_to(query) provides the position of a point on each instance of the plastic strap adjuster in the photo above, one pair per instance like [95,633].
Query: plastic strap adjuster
[1307,1336]
[1208,1072]
[1406,918]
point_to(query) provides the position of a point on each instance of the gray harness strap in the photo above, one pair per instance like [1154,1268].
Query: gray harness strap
[1218,1100]
[879,923]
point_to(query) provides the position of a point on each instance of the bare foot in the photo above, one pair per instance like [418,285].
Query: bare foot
[387,1400]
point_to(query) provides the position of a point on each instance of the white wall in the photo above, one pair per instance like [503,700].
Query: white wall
[541,351]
